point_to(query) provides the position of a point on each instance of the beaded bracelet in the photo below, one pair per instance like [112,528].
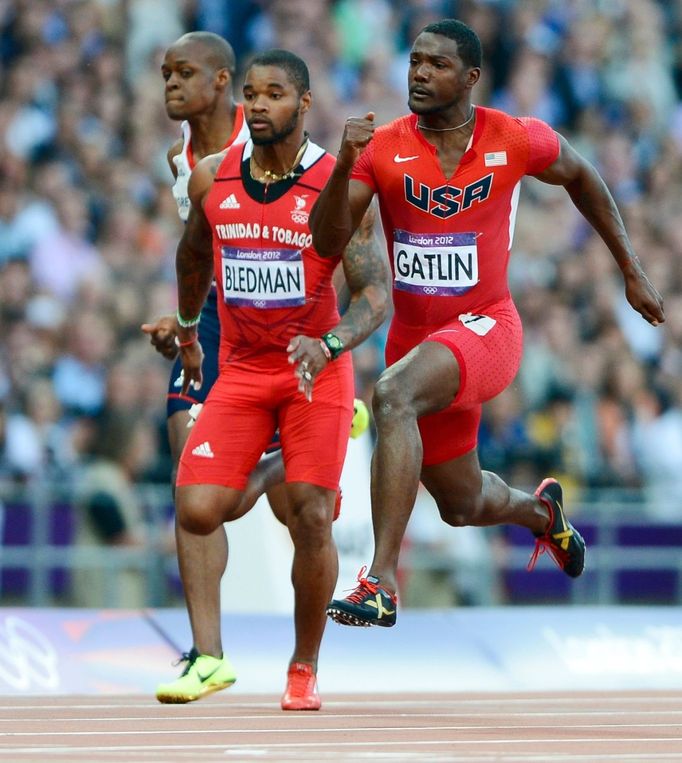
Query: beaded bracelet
[187,324]
[188,343]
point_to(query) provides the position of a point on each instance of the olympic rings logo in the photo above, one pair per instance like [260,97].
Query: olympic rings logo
[430,289]
[299,217]
[260,303]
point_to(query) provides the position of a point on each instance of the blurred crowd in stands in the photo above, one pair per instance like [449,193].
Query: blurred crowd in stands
[88,226]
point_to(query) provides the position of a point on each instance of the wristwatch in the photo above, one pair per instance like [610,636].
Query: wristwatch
[333,344]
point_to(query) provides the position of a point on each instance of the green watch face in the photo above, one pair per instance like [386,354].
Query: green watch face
[334,345]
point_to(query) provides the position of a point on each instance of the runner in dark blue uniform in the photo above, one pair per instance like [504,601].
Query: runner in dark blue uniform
[198,71]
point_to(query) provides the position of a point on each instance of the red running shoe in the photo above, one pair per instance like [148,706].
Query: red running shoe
[301,692]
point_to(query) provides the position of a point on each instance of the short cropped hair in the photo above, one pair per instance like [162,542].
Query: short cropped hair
[468,42]
[294,66]
[218,51]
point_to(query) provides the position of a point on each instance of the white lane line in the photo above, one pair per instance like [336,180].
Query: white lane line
[233,703]
[565,758]
[349,716]
[643,699]
[562,741]
[335,729]
[358,704]
[426,755]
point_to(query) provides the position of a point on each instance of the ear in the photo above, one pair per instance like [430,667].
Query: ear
[306,101]
[473,75]
[223,79]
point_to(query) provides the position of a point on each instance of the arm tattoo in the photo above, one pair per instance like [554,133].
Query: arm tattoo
[367,276]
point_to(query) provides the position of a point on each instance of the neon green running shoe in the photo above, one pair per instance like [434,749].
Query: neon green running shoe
[203,675]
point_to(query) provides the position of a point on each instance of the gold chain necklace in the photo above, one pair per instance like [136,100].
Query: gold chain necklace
[273,177]
[448,129]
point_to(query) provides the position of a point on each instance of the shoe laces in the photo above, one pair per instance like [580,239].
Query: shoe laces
[299,678]
[544,544]
[364,587]
[189,657]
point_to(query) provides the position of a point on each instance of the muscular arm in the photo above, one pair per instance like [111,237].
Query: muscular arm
[368,280]
[340,207]
[194,268]
[338,212]
[194,256]
[593,199]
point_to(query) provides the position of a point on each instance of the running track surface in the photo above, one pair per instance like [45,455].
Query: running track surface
[589,727]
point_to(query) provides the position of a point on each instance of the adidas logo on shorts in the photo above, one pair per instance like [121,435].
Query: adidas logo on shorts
[230,202]
[203,450]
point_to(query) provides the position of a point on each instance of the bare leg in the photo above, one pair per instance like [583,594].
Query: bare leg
[468,496]
[202,560]
[315,566]
[396,464]
[424,381]
[278,498]
[267,478]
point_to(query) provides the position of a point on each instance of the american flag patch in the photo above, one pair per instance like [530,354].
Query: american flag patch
[495,159]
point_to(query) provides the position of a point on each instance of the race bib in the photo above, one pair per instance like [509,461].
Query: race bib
[479,324]
[263,278]
[435,264]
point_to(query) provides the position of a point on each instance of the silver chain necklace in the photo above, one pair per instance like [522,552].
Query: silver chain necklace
[448,129]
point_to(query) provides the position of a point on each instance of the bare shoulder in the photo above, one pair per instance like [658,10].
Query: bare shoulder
[203,175]
[209,164]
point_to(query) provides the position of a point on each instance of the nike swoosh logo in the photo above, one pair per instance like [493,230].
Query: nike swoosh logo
[398,159]
[208,675]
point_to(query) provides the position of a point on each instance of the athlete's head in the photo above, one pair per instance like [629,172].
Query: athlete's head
[198,70]
[276,95]
[445,63]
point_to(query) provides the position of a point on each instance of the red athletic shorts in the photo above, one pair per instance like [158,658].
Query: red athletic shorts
[488,356]
[248,402]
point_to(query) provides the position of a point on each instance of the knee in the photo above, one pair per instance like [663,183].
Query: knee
[459,511]
[390,400]
[197,516]
[309,523]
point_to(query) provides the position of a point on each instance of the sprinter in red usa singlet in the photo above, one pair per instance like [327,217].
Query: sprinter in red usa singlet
[447,177]
[283,347]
